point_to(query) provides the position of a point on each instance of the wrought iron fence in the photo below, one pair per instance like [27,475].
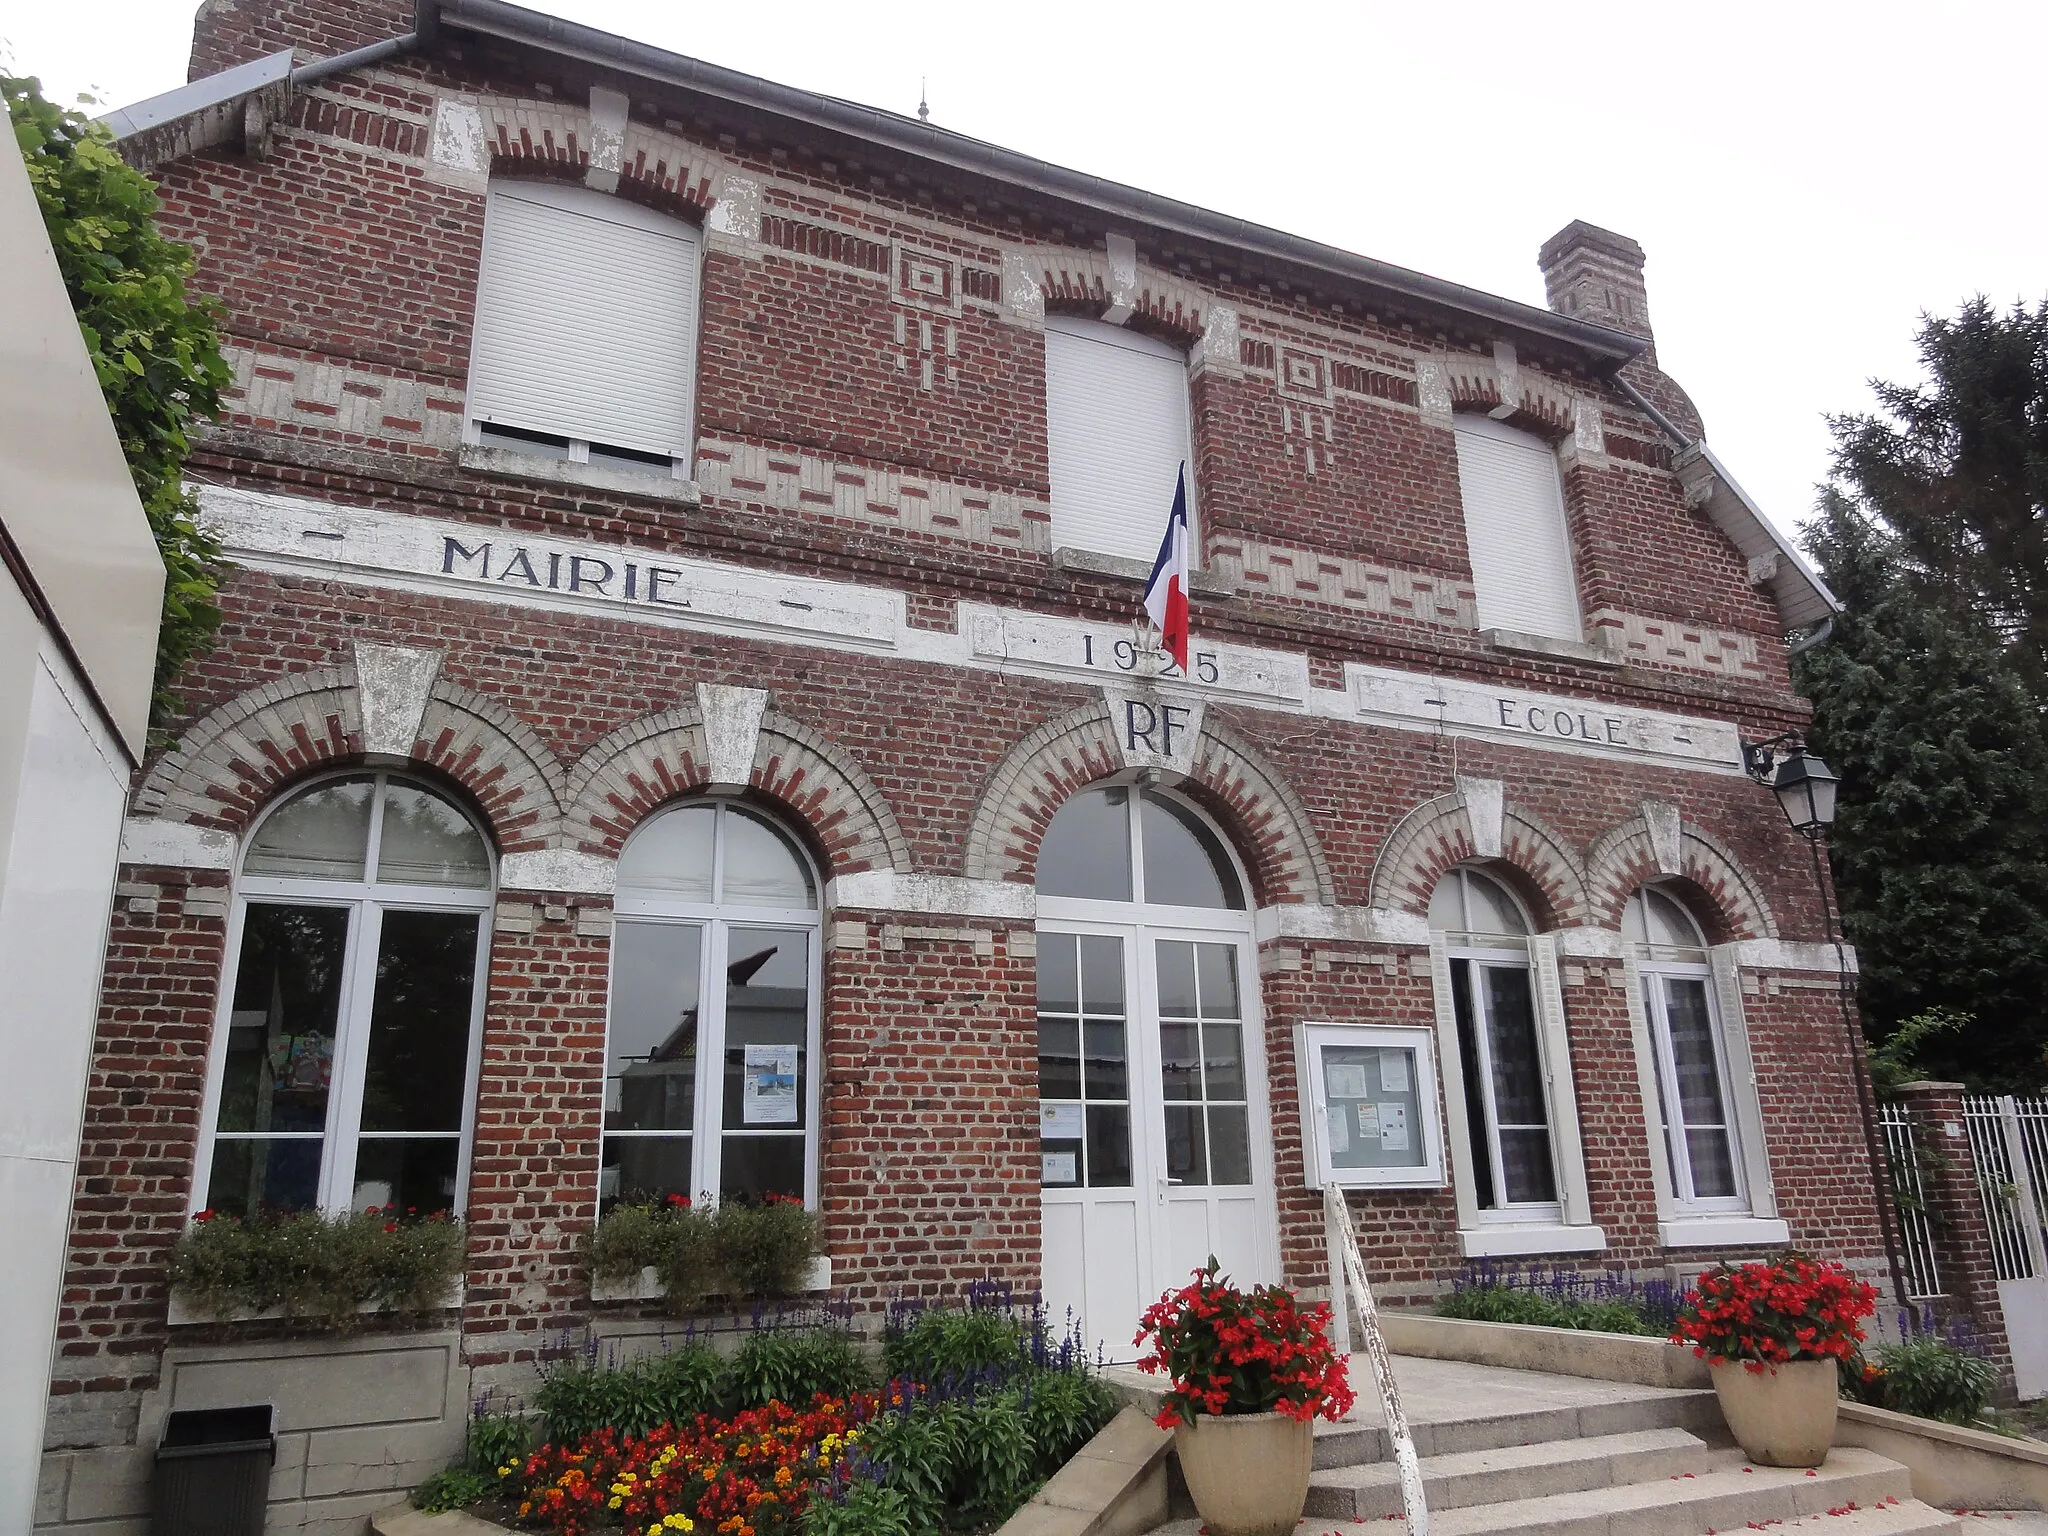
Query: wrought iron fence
[1909,1194]
[2009,1137]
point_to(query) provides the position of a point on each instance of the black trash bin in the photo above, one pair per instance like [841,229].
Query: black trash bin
[213,1471]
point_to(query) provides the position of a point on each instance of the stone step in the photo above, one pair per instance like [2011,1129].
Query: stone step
[1466,1478]
[1728,1496]
[1351,1443]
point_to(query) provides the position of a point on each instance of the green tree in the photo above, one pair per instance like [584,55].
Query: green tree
[1941,843]
[1957,468]
[155,348]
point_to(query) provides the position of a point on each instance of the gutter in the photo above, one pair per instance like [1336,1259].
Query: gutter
[1110,200]
[1802,597]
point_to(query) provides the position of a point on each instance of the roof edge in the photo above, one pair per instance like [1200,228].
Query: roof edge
[1602,347]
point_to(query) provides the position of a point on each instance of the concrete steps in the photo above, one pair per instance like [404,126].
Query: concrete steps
[1730,1494]
[1466,1478]
[1544,1455]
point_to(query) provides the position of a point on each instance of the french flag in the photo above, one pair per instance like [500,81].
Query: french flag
[1166,594]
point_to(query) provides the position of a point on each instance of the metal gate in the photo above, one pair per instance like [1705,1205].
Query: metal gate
[1909,1199]
[2009,1139]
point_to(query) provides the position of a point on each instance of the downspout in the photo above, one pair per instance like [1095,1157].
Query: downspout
[355,58]
[1642,403]
[1806,643]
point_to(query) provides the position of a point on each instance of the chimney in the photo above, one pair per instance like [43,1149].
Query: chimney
[1593,274]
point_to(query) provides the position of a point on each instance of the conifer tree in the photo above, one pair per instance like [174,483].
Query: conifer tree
[1941,843]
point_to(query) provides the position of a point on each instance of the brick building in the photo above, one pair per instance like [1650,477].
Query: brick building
[689,528]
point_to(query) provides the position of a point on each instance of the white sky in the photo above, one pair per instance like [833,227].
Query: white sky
[1806,178]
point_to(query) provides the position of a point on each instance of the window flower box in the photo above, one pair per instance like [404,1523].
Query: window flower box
[683,1253]
[647,1286]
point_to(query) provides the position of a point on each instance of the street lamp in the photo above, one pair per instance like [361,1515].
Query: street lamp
[1805,787]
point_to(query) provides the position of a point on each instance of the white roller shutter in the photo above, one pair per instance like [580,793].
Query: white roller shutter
[586,319]
[1116,407]
[1515,529]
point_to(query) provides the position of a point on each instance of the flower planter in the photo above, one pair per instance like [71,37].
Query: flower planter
[647,1285]
[184,1313]
[1782,1415]
[1247,1472]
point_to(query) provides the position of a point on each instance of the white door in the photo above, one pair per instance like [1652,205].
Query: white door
[1154,1143]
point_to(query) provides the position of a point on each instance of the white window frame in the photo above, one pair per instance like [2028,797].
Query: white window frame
[715,922]
[1565,1225]
[1485,427]
[1751,1215]
[1319,1167]
[366,901]
[577,450]
[1103,333]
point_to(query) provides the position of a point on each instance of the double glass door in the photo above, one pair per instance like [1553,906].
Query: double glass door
[1153,1146]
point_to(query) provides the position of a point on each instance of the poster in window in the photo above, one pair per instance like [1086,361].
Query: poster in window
[768,1091]
[1393,1127]
[1056,1168]
[1059,1122]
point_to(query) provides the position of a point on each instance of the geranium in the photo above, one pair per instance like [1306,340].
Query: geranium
[750,1475]
[1774,1311]
[1229,1351]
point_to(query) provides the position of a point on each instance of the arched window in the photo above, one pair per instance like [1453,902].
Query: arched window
[1515,531]
[1155,1149]
[1500,1055]
[1697,1124]
[714,961]
[346,1049]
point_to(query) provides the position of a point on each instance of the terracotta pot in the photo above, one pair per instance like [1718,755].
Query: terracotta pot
[1247,1472]
[1781,1416]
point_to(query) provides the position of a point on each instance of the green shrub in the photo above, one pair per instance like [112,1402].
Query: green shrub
[1934,1379]
[316,1267]
[866,1508]
[739,1251]
[942,1343]
[456,1488]
[763,1250]
[578,1397]
[496,1440]
[1064,1410]
[1506,1304]
[794,1365]
[995,1468]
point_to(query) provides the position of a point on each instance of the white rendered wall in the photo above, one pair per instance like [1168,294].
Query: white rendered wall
[63,785]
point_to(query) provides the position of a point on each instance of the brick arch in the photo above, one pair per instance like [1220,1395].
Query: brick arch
[1623,859]
[648,762]
[1437,834]
[1076,282]
[1538,404]
[230,761]
[820,781]
[233,760]
[1264,817]
[498,758]
[551,139]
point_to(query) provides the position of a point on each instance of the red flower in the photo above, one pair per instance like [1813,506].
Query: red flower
[1230,1351]
[1788,1308]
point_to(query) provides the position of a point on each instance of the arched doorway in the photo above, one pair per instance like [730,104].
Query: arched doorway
[1155,1141]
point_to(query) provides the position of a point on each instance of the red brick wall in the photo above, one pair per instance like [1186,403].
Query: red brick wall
[340,251]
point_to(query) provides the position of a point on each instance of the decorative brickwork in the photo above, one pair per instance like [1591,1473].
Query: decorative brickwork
[499,758]
[1082,282]
[1625,858]
[651,761]
[799,767]
[1266,819]
[226,765]
[1438,834]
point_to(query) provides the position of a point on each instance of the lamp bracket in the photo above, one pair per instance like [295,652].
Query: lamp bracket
[1760,758]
